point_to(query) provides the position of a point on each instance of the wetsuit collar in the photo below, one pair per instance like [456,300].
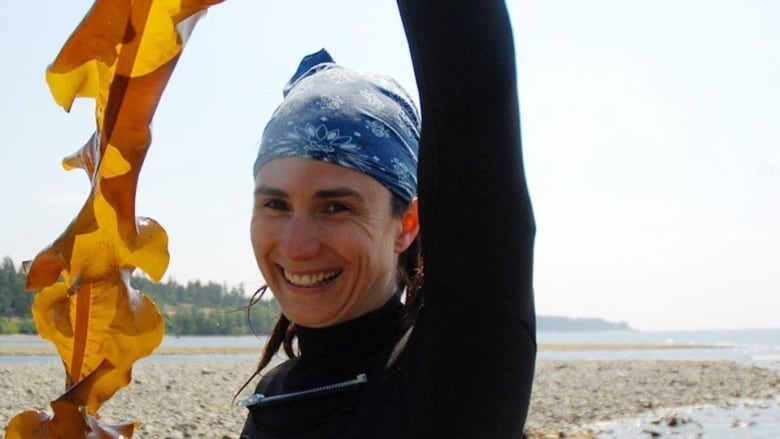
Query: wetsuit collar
[365,334]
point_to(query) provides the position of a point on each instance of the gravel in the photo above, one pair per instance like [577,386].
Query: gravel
[182,398]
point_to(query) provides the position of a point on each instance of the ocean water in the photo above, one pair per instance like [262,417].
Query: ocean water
[757,346]
[749,419]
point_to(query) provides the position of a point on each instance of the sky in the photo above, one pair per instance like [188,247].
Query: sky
[650,136]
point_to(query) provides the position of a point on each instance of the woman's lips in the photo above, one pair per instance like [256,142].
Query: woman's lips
[310,280]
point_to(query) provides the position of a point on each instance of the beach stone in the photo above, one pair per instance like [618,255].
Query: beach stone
[738,423]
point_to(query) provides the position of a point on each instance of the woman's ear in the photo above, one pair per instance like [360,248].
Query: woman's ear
[410,226]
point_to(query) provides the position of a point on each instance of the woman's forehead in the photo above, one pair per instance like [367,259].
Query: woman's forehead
[308,176]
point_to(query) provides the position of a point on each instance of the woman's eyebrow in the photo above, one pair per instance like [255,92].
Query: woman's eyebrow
[322,194]
[338,192]
[270,191]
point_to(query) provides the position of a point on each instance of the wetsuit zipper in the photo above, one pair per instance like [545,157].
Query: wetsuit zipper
[258,399]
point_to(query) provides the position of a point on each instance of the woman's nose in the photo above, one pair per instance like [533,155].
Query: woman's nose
[300,239]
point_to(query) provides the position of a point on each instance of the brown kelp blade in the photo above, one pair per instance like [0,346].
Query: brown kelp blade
[41,425]
[122,55]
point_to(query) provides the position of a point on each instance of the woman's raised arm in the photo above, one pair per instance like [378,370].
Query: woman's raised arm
[474,342]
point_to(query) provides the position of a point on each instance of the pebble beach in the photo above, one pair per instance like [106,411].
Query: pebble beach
[191,397]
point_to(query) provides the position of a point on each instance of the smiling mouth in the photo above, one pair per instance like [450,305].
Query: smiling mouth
[311,280]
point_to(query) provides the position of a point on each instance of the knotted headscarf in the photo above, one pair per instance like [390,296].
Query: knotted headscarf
[360,121]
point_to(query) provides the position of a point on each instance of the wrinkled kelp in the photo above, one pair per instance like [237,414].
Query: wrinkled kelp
[121,55]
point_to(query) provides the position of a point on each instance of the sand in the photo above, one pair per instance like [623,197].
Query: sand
[191,397]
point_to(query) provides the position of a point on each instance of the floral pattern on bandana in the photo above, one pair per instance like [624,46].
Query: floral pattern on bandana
[359,121]
[320,139]
[377,128]
[372,98]
[329,102]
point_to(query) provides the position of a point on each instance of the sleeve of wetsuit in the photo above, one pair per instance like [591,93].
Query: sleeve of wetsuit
[474,345]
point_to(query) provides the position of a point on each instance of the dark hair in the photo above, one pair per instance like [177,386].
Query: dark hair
[410,275]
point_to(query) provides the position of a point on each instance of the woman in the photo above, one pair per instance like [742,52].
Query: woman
[335,231]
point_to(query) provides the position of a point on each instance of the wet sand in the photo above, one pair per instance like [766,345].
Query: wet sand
[570,396]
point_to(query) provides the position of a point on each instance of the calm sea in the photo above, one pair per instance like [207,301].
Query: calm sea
[756,346]
[760,347]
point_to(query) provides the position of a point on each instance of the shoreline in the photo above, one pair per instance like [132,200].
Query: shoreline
[192,398]
[48,349]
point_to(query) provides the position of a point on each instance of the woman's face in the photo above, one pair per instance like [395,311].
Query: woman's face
[325,240]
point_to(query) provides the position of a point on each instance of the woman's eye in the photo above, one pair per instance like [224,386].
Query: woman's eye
[275,204]
[337,208]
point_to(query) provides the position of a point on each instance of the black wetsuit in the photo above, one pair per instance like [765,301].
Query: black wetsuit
[467,368]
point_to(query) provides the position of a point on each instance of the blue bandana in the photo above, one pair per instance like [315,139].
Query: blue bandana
[363,122]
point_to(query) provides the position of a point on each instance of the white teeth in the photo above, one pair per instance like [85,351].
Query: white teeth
[310,280]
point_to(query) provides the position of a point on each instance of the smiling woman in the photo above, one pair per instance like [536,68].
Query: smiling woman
[382,351]
[326,240]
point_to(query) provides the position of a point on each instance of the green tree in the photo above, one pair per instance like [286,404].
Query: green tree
[15,301]
[195,308]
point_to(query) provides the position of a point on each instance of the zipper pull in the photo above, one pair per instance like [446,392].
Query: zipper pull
[252,400]
[258,398]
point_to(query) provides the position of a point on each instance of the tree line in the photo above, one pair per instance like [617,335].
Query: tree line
[192,309]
